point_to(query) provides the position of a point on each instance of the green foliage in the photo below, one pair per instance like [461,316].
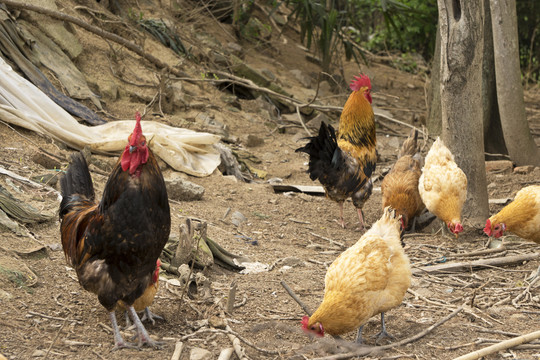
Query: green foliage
[405,26]
[528,14]
[323,27]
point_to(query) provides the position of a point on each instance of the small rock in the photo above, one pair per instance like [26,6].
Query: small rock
[527,169]
[275,180]
[4,295]
[108,89]
[235,48]
[237,218]
[285,269]
[184,190]
[46,161]
[55,246]
[200,354]
[304,79]
[216,322]
[269,74]
[38,353]
[499,166]
[291,261]
[253,141]
[315,123]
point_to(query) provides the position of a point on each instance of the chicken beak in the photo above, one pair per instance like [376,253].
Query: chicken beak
[456,235]
[132,149]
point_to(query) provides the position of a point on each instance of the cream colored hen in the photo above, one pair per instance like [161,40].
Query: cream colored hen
[443,186]
[367,279]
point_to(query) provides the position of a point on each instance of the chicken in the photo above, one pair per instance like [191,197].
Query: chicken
[344,163]
[521,216]
[114,245]
[369,278]
[145,300]
[443,186]
[400,186]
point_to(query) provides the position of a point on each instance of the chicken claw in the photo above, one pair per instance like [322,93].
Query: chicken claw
[119,342]
[383,333]
[150,316]
[142,334]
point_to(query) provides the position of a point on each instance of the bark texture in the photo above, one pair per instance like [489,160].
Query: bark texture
[517,136]
[461,26]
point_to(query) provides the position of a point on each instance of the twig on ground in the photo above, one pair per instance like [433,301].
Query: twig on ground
[225,354]
[503,345]
[55,338]
[302,121]
[53,317]
[468,266]
[341,245]
[293,295]
[28,181]
[98,355]
[231,297]
[177,350]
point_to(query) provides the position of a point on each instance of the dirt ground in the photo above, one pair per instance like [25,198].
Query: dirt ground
[45,313]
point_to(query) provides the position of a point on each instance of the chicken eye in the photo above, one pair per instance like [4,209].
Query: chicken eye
[313,328]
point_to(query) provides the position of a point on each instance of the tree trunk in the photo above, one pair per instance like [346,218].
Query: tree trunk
[461,26]
[433,123]
[493,135]
[519,142]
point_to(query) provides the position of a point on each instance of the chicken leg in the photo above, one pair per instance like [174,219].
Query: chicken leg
[359,335]
[341,221]
[119,342]
[144,338]
[361,220]
[383,332]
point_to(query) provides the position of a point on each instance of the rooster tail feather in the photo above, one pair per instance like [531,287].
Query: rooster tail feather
[323,152]
[76,181]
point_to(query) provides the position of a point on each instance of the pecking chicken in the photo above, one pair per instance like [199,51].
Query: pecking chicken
[114,245]
[443,186]
[343,163]
[400,186]
[521,216]
[369,278]
[145,300]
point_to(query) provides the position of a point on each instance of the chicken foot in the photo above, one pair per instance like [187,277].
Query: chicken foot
[142,334]
[383,334]
[148,315]
[119,342]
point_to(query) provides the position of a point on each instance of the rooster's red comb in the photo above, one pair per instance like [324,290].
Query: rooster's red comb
[359,82]
[487,229]
[137,132]
[158,263]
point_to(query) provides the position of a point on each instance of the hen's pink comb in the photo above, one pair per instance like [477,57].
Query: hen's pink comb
[305,321]
[359,82]
[487,229]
